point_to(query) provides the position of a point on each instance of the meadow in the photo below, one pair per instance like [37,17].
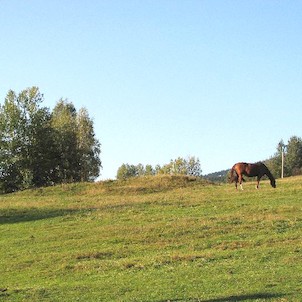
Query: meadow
[152,239]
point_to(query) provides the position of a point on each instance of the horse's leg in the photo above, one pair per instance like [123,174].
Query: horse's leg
[240,181]
[258,181]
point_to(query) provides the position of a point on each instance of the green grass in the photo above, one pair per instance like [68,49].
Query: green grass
[152,239]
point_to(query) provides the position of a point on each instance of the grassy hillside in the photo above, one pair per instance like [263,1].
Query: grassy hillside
[154,239]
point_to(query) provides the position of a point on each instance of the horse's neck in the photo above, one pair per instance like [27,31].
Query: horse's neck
[269,174]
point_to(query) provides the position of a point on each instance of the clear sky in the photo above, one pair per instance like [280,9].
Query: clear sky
[219,80]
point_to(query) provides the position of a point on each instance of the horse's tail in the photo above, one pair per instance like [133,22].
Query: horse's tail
[233,174]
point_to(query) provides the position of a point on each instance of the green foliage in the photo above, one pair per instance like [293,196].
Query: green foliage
[179,166]
[149,170]
[23,140]
[40,148]
[162,238]
[127,171]
[88,147]
[292,158]
[65,130]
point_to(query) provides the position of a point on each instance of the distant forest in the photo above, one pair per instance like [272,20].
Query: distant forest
[220,176]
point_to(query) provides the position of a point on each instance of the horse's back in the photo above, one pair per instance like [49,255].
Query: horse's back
[240,167]
[249,169]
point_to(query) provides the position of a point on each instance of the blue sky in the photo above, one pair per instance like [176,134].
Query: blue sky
[219,80]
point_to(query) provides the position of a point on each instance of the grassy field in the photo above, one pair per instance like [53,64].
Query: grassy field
[153,240]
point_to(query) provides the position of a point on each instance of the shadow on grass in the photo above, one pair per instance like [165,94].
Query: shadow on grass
[231,298]
[10,216]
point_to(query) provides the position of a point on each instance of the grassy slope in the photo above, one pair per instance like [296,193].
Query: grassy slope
[158,239]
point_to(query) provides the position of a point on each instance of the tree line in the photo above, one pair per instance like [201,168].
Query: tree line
[40,147]
[180,166]
[292,152]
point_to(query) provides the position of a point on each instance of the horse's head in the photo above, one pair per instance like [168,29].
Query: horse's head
[273,183]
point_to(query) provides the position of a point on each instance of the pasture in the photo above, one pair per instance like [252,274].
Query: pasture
[153,240]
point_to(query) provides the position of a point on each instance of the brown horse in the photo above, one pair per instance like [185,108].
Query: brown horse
[250,170]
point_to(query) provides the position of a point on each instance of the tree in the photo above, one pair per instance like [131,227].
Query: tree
[189,166]
[178,166]
[24,130]
[38,138]
[140,170]
[293,160]
[193,166]
[149,170]
[77,148]
[63,122]
[88,147]
[10,144]
[274,164]
[126,171]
